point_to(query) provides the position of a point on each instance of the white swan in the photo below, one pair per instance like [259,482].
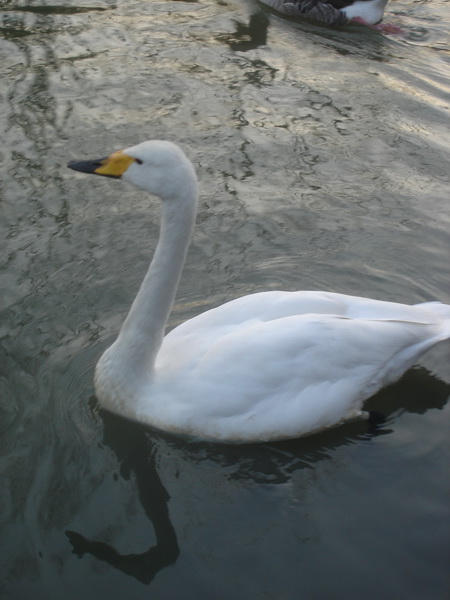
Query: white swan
[266,366]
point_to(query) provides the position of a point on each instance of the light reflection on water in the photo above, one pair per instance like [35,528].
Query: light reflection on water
[323,163]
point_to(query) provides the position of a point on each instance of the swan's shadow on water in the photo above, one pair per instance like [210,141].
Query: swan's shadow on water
[269,463]
[136,455]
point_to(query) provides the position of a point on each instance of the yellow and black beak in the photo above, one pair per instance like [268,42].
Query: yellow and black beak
[114,165]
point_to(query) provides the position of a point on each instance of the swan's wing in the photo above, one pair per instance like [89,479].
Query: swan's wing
[288,376]
[295,352]
[268,306]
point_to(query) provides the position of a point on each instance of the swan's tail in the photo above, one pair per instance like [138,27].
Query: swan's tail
[442,311]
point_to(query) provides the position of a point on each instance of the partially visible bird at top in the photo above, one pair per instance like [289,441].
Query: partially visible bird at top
[337,13]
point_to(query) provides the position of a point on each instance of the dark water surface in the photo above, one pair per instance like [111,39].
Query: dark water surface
[323,159]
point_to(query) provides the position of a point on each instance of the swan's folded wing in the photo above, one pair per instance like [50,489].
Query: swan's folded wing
[275,305]
[296,374]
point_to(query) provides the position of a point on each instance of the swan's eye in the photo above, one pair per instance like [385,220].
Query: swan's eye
[138,160]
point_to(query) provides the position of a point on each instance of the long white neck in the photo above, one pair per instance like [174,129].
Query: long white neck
[142,332]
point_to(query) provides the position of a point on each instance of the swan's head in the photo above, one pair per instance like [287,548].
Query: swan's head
[158,167]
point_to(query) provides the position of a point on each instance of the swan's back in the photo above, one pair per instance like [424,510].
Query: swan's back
[271,306]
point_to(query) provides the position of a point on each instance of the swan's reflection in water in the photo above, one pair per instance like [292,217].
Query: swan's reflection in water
[247,37]
[136,449]
[137,457]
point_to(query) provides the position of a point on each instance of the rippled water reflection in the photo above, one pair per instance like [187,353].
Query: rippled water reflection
[323,161]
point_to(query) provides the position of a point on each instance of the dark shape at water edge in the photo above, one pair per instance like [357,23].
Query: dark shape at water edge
[142,567]
[135,453]
[247,37]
